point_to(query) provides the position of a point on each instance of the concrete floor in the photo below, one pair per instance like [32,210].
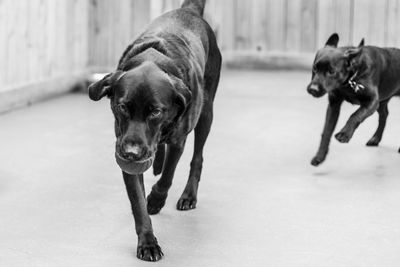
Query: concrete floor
[63,202]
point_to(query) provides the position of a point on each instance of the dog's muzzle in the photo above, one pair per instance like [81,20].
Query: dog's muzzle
[315,90]
[133,159]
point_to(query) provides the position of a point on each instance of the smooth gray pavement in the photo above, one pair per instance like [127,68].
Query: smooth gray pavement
[63,201]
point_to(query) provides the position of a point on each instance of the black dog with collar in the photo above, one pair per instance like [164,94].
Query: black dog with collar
[368,76]
[164,88]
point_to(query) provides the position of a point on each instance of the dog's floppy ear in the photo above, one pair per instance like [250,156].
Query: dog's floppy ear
[102,88]
[352,57]
[333,40]
[361,44]
[183,95]
[352,53]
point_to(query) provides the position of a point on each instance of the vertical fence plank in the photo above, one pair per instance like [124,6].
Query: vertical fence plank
[360,22]
[243,24]
[212,14]
[376,22]
[3,41]
[293,20]
[155,8]
[277,22]
[259,24]
[396,30]
[226,30]
[123,29]
[140,15]
[326,21]
[343,20]
[393,22]
[309,26]
[91,32]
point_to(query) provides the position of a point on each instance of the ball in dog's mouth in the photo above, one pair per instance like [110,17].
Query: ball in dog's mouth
[134,167]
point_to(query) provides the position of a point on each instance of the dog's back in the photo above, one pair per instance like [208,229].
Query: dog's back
[184,37]
[393,59]
[386,64]
[177,32]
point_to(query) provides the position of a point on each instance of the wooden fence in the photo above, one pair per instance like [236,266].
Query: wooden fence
[256,30]
[44,39]
[112,26]
[43,49]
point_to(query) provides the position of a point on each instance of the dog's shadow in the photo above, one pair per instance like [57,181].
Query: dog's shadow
[321,173]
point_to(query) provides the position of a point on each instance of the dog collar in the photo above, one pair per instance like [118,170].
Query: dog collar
[356,86]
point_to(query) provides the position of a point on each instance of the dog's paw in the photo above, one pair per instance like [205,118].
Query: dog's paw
[374,141]
[343,137]
[155,201]
[317,160]
[186,202]
[149,250]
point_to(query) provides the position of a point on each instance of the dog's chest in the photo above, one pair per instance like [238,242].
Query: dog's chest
[353,100]
[351,96]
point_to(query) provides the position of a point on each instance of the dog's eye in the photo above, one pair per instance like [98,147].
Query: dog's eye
[122,108]
[156,113]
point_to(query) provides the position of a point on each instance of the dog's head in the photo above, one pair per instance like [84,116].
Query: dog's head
[332,66]
[145,102]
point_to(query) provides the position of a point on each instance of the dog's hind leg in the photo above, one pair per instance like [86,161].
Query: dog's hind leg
[383,113]
[188,198]
[159,192]
[159,160]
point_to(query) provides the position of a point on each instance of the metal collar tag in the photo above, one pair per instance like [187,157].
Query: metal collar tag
[355,85]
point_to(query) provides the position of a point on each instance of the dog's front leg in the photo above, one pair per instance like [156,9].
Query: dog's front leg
[332,115]
[148,248]
[366,109]
[159,192]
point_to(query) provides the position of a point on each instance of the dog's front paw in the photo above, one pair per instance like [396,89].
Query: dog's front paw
[148,249]
[156,201]
[186,202]
[317,160]
[343,137]
[374,141]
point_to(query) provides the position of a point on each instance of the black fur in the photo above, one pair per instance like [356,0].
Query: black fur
[163,88]
[365,75]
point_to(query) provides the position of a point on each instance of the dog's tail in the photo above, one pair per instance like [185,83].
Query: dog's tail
[195,5]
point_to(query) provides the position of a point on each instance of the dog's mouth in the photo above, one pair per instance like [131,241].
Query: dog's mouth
[134,167]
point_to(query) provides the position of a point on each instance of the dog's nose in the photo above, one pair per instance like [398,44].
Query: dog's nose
[313,87]
[132,151]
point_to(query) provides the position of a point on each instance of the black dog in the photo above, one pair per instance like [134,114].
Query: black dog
[368,76]
[163,88]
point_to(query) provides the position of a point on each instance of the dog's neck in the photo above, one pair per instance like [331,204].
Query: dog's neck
[351,81]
